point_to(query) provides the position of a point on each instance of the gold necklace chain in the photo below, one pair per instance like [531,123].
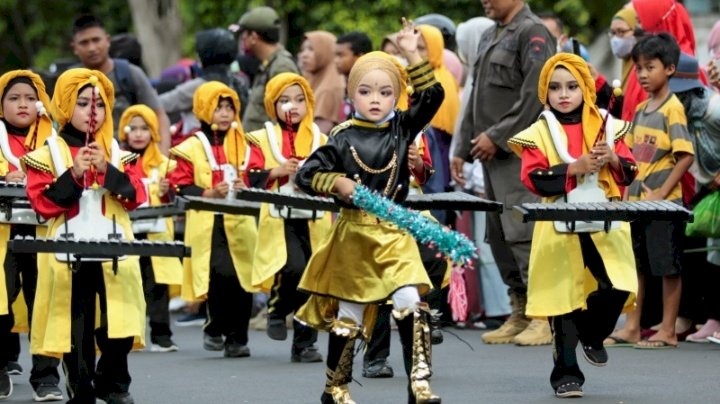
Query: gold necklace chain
[366,168]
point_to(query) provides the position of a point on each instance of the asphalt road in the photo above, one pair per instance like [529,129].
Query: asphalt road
[485,374]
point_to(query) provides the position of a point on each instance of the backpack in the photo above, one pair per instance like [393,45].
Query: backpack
[124,78]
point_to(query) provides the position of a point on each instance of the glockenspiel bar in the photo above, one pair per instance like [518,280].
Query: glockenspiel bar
[233,207]
[12,190]
[602,211]
[95,248]
[444,200]
[153,212]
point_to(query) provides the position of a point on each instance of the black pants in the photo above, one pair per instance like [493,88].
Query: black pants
[21,274]
[111,374]
[157,298]
[589,327]
[228,304]
[379,345]
[285,298]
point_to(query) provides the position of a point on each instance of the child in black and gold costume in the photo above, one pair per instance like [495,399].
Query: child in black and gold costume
[366,260]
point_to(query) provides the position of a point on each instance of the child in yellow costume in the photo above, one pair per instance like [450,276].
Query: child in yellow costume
[24,126]
[364,260]
[68,180]
[287,238]
[139,130]
[210,163]
[580,279]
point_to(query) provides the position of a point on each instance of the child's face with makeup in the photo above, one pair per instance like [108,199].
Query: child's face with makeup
[139,136]
[375,96]
[296,97]
[81,114]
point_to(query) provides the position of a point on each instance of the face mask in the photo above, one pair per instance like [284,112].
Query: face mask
[621,47]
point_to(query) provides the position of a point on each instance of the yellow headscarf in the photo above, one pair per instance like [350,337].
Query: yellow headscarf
[446,115]
[274,89]
[42,128]
[591,118]
[152,157]
[67,89]
[387,63]
[628,15]
[205,102]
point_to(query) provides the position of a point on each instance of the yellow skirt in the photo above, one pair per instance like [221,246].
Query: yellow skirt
[363,260]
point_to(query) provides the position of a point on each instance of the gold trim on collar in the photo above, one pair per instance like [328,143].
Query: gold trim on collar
[368,124]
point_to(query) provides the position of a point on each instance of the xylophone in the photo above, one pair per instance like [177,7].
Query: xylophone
[445,200]
[229,206]
[153,212]
[99,248]
[602,211]
[14,206]
[84,249]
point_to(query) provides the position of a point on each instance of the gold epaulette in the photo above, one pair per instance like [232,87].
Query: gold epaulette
[128,157]
[625,129]
[524,143]
[254,136]
[340,126]
[28,161]
[179,153]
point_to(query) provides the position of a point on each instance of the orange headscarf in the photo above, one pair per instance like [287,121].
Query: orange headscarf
[67,89]
[446,115]
[274,89]
[42,128]
[592,120]
[327,83]
[152,157]
[205,102]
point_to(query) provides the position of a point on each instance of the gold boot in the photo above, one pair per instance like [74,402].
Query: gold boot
[537,333]
[422,358]
[336,385]
[515,324]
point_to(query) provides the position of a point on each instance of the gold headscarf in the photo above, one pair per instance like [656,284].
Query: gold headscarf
[628,15]
[446,115]
[67,89]
[592,120]
[152,157]
[205,102]
[381,61]
[274,89]
[42,128]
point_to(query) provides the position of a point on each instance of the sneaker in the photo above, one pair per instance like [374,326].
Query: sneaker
[596,357]
[277,329]
[568,390]
[6,385]
[191,320]
[163,344]
[211,343]
[235,350]
[306,355]
[115,398]
[14,368]
[176,304]
[47,392]
[377,369]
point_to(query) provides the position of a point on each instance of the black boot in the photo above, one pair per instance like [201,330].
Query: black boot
[341,349]
[417,354]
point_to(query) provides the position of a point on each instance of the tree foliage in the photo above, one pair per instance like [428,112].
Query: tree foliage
[37,32]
